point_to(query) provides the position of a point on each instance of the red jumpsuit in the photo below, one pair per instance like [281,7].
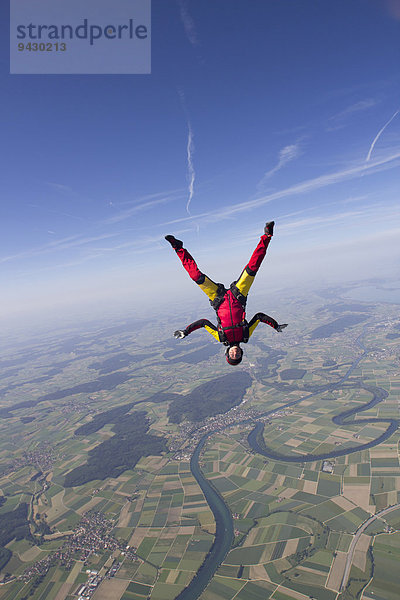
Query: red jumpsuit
[229,304]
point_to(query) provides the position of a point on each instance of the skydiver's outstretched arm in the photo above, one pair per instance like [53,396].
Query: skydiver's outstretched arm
[263,318]
[208,326]
[209,287]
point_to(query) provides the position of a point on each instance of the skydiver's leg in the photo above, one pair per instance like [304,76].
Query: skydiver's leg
[205,283]
[249,272]
[189,264]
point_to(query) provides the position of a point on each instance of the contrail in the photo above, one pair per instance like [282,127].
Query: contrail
[378,135]
[189,149]
[191,171]
[188,24]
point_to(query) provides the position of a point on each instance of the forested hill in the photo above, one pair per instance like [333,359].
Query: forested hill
[115,414]
[337,326]
[13,524]
[209,399]
[120,452]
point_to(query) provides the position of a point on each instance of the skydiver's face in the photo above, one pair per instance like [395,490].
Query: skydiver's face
[235,352]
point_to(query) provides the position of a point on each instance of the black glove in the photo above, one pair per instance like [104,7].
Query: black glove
[269,228]
[179,334]
[281,327]
[176,244]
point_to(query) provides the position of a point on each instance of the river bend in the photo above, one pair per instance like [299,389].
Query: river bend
[224,525]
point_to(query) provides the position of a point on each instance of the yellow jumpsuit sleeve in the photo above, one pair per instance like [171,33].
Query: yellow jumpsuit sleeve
[252,327]
[213,332]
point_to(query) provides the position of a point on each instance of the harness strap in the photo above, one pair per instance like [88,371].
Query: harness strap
[221,291]
[238,294]
[244,325]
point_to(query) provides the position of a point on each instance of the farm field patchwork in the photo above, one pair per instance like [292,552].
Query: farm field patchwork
[145,532]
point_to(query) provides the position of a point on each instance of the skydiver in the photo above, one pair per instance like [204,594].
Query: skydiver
[229,304]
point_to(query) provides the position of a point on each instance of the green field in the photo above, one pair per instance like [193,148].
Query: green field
[293,521]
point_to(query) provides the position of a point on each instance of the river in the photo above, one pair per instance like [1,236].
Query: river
[256,440]
[224,530]
[224,525]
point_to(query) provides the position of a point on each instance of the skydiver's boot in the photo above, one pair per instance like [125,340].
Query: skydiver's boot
[176,244]
[269,228]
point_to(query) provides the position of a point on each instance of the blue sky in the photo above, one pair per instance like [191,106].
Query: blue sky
[254,111]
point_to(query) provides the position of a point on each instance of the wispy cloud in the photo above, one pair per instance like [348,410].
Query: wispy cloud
[60,213]
[310,185]
[88,244]
[346,218]
[59,186]
[340,220]
[286,155]
[188,23]
[143,206]
[61,244]
[344,201]
[378,135]
[136,200]
[354,108]
[342,118]
[131,248]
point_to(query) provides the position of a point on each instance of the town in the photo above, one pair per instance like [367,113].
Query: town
[91,536]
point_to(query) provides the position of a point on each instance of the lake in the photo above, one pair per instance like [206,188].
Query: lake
[371,293]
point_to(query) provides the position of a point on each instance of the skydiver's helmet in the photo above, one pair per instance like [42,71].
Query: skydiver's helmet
[233,361]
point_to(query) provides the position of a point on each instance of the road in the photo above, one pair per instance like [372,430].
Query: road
[353,544]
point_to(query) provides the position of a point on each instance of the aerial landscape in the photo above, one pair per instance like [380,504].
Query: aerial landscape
[199,305]
[281,479]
